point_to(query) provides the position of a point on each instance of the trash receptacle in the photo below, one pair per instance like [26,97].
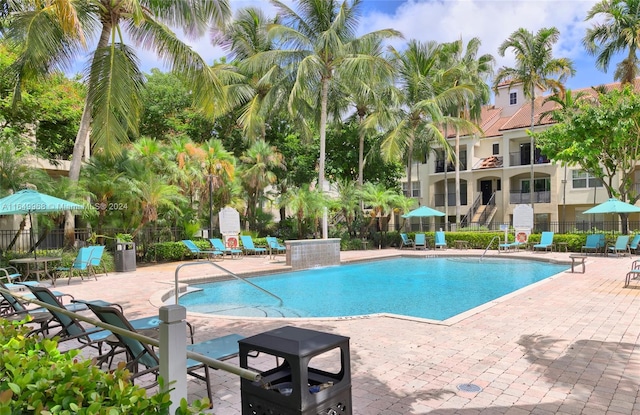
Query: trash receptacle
[125,257]
[302,372]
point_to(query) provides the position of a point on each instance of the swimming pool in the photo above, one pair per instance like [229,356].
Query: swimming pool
[431,288]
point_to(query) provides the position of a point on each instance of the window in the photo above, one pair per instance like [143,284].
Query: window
[496,149]
[414,185]
[583,180]
[513,98]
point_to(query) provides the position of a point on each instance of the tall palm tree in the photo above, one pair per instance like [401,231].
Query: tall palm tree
[318,41]
[536,68]
[427,90]
[617,30]
[477,70]
[51,34]
[260,91]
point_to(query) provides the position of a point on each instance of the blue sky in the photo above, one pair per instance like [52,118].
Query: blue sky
[446,20]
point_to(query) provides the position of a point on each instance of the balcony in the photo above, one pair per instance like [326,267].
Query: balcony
[451,200]
[521,158]
[518,197]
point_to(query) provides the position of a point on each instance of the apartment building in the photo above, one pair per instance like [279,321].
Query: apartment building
[495,175]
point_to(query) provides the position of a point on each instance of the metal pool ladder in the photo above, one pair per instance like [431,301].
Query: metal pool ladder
[176,291]
[488,246]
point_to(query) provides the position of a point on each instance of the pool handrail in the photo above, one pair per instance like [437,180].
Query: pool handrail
[176,291]
[489,246]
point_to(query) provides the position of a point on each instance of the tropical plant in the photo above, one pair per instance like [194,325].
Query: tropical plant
[616,29]
[427,89]
[51,34]
[535,69]
[475,73]
[256,173]
[307,206]
[317,42]
[379,201]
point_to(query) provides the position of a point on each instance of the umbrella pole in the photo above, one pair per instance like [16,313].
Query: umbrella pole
[35,254]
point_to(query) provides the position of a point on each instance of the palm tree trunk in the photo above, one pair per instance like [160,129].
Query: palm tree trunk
[361,154]
[323,145]
[532,149]
[457,168]
[82,140]
[410,164]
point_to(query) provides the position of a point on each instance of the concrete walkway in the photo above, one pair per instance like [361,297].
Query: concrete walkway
[568,345]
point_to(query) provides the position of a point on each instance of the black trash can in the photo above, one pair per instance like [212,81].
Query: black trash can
[125,257]
[303,372]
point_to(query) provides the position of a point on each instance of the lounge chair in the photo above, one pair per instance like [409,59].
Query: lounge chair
[546,242]
[594,243]
[621,246]
[633,246]
[440,240]
[218,245]
[11,274]
[96,259]
[210,254]
[406,241]
[70,327]
[14,309]
[275,247]
[633,274]
[81,264]
[509,246]
[140,354]
[420,241]
[250,248]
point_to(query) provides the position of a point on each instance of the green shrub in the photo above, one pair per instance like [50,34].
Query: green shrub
[35,378]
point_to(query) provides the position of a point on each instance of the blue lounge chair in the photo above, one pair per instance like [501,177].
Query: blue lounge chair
[595,243]
[441,241]
[633,246]
[81,264]
[546,242]
[11,274]
[70,327]
[275,247]
[633,274]
[218,245]
[506,247]
[142,355]
[96,259]
[406,241]
[420,241]
[210,254]
[621,246]
[249,247]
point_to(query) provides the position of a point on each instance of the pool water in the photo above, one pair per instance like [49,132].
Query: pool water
[431,288]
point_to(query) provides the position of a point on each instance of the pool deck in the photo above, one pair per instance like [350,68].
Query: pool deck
[568,345]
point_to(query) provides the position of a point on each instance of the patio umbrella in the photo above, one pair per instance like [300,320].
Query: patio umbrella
[422,212]
[30,201]
[613,206]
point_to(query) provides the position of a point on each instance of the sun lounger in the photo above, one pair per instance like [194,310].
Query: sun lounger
[249,247]
[621,247]
[440,241]
[420,241]
[406,241]
[546,242]
[595,243]
[218,245]
[210,254]
[509,246]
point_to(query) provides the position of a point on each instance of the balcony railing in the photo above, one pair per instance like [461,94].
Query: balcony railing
[521,159]
[518,197]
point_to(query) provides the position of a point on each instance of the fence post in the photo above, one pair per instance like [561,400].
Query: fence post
[173,352]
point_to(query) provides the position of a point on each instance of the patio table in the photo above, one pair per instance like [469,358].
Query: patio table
[32,267]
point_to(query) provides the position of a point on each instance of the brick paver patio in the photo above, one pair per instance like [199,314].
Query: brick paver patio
[568,345]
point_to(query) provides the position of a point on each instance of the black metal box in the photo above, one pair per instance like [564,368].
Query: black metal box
[303,372]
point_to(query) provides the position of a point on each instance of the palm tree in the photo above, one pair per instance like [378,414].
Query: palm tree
[318,42]
[536,68]
[51,34]
[477,70]
[260,91]
[427,90]
[380,200]
[257,173]
[617,30]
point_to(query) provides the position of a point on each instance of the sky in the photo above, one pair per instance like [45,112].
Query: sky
[492,21]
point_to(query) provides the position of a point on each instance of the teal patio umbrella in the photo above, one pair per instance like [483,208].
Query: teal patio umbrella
[613,206]
[30,201]
[422,212]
